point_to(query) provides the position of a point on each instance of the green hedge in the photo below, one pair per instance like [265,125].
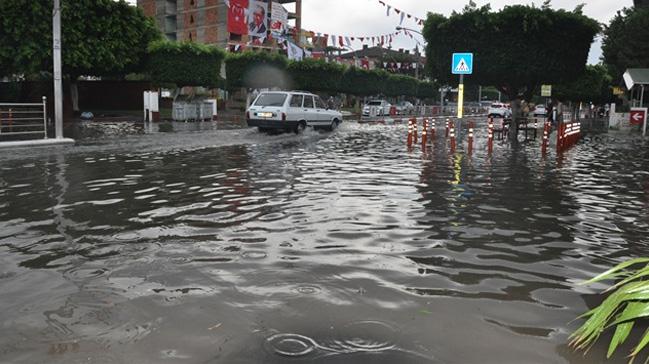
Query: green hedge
[184,63]
[193,64]
[316,75]
[256,70]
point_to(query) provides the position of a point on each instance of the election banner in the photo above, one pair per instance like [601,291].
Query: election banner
[278,20]
[257,19]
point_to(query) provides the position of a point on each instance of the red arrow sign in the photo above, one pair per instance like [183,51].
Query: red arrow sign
[637,117]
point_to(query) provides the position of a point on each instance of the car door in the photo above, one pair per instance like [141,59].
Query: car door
[295,109]
[310,113]
[322,113]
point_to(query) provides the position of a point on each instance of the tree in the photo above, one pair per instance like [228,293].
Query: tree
[184,63]
[516,49]
[99,38]
[626,41]
[593,85]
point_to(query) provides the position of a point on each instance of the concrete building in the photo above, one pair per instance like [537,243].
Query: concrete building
[203,21]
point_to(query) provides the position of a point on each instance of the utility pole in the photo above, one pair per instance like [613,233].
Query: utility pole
[58,86]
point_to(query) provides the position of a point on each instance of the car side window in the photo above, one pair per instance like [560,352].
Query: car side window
[319,104]
[296,100]
[308,102]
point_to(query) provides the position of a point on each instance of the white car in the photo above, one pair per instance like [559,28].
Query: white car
[499,110]
[540,110]
[381,107]
[405,108]
[291,111]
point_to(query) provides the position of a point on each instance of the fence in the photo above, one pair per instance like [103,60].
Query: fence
[23,119]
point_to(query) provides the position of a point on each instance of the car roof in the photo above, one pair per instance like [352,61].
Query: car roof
[289,92]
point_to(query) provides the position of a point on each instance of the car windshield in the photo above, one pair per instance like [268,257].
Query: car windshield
[497,106]
[374,103]
[275,99]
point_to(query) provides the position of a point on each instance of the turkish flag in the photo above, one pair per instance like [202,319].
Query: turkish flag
[237,17]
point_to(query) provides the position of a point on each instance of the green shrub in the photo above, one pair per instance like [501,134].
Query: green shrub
[256,70]
[184,63]
[627,304]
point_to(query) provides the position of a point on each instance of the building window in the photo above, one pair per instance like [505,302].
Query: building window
[191,19]
[190,37]
[192,2]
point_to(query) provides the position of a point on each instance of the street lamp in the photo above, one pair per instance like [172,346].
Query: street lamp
[56,53]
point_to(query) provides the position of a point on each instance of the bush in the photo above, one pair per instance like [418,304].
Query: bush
[316,75]
[256,70]
[184,63]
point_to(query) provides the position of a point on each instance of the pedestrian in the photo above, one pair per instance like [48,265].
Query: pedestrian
[331,103]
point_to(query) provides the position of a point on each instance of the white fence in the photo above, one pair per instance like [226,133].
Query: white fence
[23,119]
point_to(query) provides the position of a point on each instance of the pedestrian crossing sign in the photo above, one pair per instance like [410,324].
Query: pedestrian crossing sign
[462,64]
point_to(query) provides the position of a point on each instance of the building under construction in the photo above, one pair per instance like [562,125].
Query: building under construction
[205,21]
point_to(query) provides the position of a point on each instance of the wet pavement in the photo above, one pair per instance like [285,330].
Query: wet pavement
[228,246]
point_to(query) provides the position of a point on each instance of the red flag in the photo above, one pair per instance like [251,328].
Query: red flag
[340,41]
[362,39]
[398,11]
[409,16]
[237,17]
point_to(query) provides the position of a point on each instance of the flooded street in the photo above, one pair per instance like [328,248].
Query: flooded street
[229,246]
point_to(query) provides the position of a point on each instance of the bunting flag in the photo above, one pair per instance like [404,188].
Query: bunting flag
[402,14]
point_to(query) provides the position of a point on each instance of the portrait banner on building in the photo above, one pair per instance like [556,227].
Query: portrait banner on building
[257,19]
[278,20]
[237,17]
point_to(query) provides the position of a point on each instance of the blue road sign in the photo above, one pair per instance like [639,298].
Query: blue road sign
[462,64]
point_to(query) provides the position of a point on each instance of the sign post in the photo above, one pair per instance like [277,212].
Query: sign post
[638,116]
[462,64]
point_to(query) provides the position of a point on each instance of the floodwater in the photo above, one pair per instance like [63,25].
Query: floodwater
[227,246]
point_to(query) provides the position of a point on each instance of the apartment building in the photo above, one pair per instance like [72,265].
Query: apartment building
[203,21]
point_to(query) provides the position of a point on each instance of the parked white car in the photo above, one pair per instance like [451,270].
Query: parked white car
[540,110]
[499,110]
[291,111]
[405,108]
[382,108]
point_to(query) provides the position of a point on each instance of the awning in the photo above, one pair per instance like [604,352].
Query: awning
[636,76]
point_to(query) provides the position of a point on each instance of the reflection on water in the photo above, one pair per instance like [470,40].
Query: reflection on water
[331,248]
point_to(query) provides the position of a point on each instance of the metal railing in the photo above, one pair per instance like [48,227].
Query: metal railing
[23,119]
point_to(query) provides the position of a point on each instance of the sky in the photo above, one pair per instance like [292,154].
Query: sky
[368,17]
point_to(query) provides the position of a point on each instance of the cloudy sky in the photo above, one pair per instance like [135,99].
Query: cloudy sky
[368,17]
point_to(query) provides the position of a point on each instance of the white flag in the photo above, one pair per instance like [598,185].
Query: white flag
[294,52]
[403,15]
[348,42]
[389,7]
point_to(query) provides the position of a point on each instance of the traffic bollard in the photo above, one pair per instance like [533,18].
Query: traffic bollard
[448,125]
[424,134]
[409,133]
[470,137]
[452,135]
[490,135]
[414,129]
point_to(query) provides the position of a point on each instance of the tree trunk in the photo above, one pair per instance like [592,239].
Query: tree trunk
[74,95]
[513,127]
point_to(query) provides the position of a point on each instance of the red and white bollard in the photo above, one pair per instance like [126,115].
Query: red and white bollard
[448,126]
[452,135]
[490,135]
[424,134]
[409,133]
[546,140]
[470,137]
[433,129]
[414,128]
